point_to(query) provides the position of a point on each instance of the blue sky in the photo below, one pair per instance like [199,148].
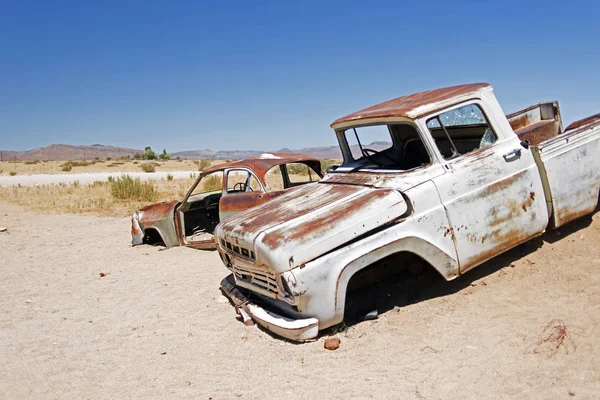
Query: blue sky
[265,75]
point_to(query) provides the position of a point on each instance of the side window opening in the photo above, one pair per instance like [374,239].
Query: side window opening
[461,131]
[241,181]
[274,178]
[211,183]
[299,173]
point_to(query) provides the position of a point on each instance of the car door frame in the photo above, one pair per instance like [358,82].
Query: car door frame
[178,214]
[233,203]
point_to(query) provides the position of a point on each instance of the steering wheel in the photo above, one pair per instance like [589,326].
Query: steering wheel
[366,151]
[242,186]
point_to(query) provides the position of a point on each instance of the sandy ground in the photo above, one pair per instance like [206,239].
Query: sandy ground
[156,326]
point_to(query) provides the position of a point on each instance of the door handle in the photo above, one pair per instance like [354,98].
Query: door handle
[516,153]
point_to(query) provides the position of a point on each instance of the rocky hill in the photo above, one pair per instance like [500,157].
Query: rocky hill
[68,152]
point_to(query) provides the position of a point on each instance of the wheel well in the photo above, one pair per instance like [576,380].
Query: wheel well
[152,236]
[387,282]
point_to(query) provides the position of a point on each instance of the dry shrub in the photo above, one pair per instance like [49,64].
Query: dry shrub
[32,162]
[148,167]
[12,173]
[67,167]
[211,183]
[297,169]
[127,188]
[76,164]
[203,164]
[554,337]
[169,177]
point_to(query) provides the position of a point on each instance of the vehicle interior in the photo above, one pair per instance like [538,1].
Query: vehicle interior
[395,146]
[200,213]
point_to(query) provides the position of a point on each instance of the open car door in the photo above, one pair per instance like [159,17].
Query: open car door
[198,213]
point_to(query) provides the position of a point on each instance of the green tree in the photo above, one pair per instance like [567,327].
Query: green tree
[149,154]
[164,155]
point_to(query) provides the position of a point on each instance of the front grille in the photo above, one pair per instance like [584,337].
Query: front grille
[256,279]
[237,250]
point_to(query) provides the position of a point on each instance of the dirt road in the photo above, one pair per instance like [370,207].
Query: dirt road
[86,178]
[525,325]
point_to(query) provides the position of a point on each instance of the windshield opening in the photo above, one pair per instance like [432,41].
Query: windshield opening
[395,147]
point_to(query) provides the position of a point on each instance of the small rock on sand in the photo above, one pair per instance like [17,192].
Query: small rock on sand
[332,343]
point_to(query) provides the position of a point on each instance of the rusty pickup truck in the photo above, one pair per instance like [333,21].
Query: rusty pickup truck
[452,183]
[220,192]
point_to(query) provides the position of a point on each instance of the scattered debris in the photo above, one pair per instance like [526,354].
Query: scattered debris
[430,349]
[332,343]
[371,315]
[163,353]
[2,229]
[28,301]
[222,300]
[102,274]
[553,337]
[512,265]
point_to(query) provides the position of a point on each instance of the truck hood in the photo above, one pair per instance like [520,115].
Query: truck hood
[309,221]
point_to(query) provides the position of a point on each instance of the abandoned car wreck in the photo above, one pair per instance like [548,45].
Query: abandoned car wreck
[452,183]
[218,193]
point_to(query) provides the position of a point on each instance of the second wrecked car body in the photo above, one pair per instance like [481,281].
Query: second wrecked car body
[218,193]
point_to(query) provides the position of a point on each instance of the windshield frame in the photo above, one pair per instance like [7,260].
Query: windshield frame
[352,164]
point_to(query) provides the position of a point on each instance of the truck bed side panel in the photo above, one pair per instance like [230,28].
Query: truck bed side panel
[570,168]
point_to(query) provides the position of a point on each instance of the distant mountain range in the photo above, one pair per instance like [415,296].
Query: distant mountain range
[65,152]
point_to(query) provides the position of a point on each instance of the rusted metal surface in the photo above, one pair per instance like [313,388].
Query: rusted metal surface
[537,123]
[311,221]
[454,213]
[414,105]
[165,219]
[264,162]
[584,124]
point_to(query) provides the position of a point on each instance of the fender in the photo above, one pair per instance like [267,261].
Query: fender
[443,263]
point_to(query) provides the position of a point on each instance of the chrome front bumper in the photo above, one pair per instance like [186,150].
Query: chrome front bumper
[298,330]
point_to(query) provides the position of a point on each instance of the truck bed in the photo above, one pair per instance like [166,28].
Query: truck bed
[570,168]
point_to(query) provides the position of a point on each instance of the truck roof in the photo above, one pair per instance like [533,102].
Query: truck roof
[411,106]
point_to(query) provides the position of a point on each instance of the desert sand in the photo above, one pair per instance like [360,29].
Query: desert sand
[84,315]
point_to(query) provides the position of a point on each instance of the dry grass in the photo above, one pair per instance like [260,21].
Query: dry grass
[95,198]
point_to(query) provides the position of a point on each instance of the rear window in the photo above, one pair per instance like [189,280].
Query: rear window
[461,131]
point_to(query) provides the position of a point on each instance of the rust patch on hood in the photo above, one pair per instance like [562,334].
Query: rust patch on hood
[306,223]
